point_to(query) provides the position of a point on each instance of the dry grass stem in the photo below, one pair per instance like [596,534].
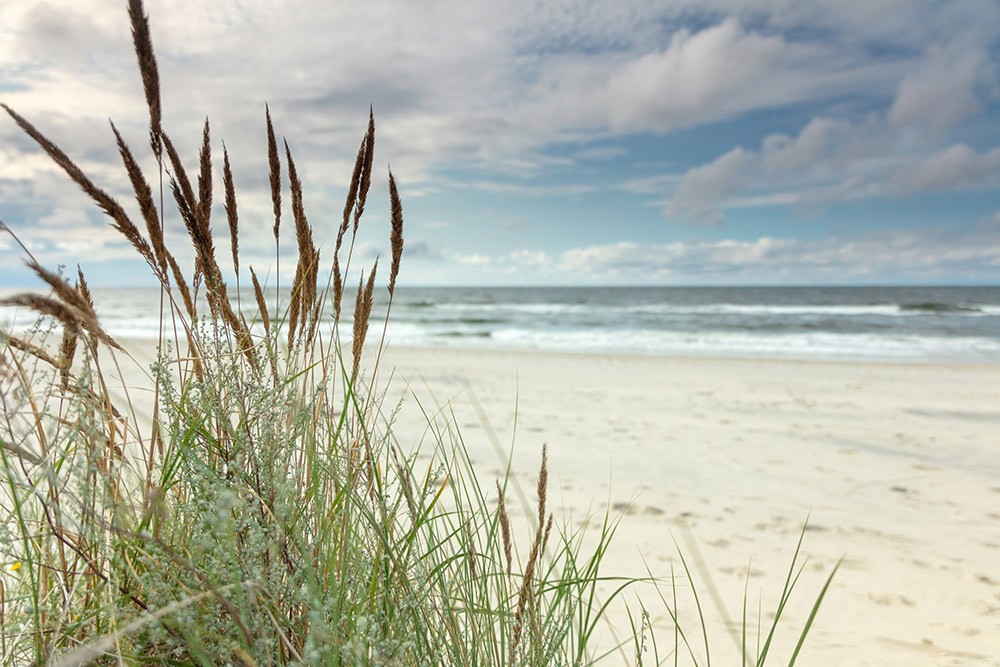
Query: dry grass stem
[362,315]
[258,292]
[143,43]
[304,286]
[30,348]
[105,201]
[186,297]
[366,170]
[205,180]
[543,486]
[232,217]
[396,236]
[504,528]
[147,205]
[68,293]
[68,316]
[349,204]
[274,172]
[67,350]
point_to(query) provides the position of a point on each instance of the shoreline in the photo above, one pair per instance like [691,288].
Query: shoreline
[706,356]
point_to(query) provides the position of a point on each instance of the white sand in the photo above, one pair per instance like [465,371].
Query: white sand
[898,465]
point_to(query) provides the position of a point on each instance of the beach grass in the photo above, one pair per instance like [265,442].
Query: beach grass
[249,501]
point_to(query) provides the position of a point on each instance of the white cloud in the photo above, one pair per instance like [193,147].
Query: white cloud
[955,167]
[943,91]
[698,74]
[886,256]
[490,91]
[472,259]
[821,140]
[529,258]
[703,188]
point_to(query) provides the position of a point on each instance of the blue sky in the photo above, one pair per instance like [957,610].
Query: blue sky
[629,142]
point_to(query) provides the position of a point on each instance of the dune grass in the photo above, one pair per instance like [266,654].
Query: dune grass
[261,510]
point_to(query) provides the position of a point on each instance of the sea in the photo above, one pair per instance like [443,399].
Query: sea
[852,323]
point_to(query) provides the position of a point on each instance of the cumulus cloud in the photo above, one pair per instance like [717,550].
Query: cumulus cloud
[529,258]
[502,93]
[699,73]
[942,92]
[829,161]
[703,188]
[955,167]
[884,256]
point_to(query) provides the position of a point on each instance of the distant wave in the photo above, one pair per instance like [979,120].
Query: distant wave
[935,307]
[882,309]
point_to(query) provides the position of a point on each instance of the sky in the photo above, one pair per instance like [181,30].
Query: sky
[564,142]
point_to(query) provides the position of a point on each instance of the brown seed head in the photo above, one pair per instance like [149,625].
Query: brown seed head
[274,171]
[232,217]
[143,44]
[396,236]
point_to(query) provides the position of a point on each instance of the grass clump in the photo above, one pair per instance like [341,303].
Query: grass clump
[265,514]
[259,510]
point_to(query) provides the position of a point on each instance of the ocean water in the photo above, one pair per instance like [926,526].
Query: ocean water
[864,323]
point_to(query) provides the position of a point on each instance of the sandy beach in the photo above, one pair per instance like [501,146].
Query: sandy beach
[897,466]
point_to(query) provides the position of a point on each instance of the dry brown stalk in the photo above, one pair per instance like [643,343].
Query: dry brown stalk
[105,201]
[548,529]
[366,170]
[304,287]
[274,172]
[231,213]
[196,218]
[69,294]
[406,477]
[68,315]
[504,528]
[147,205]
[84,288]
[296,299]
[205,179]
[338,288]
[313,315]
[396,236]
[67,350]
[30,348]
[179,174]
[261,304]
[362,314]
[352,195]
[143,43]
[526,594]
[470,548]
[543,486]
[352,190]
[189,303]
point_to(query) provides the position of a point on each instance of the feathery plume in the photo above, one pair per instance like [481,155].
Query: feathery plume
[105,201]
[396,236]
[231,214]
[147,205]
[362,313]
[143,43]
[274,172]
[366,170]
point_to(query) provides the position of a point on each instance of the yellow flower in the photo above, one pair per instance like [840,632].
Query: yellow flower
[15,567]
